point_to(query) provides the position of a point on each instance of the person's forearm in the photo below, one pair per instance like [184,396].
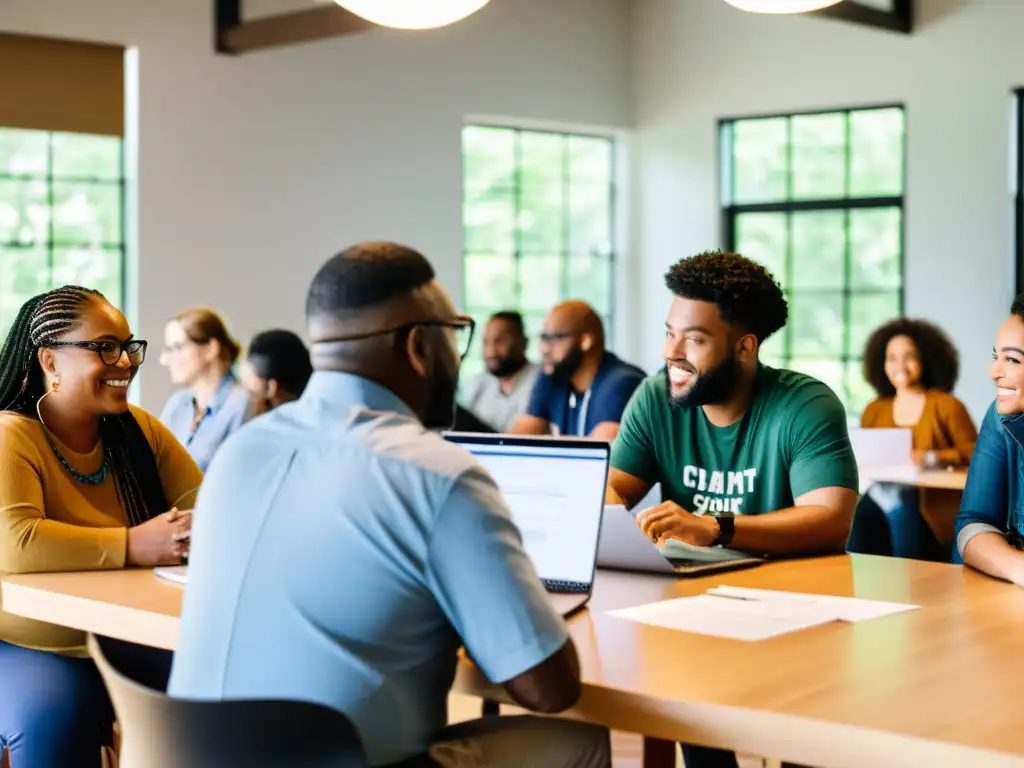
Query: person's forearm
[38,545]
[990,553]
[809,528]
[611,496]
[529,425]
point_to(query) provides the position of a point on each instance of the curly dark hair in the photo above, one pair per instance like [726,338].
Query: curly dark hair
[940,362]
[744,291]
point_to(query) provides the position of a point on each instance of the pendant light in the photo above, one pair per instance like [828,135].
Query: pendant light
[782,6]
[413,14]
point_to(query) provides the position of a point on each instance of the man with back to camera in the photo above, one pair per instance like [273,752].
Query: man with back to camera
[500,395]
[749,457]
[583,388]
[346,551]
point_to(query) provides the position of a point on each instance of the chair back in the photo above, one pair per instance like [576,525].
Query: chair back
[158,731]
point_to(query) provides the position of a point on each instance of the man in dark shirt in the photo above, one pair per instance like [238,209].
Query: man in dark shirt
[583,388]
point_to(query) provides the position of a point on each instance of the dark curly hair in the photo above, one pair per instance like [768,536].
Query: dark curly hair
[940,362]
[744,291]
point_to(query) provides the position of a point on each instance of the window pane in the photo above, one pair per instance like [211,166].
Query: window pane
[816,324]
[540,278]
[860,391]
[590,160]
[542,217]
[83,156]
[759,160]
[534,324]
[24,212]
[773,352]
[819,246]
[819,156]
[590,227]
[590,279]
[488,157]
[98,268]
[763,237]
[490,281]
[876,152]
[867,312]
[828,371]
[86,214]
[24,272]
[875,248]
[488,220]
[23,153]
[543,156]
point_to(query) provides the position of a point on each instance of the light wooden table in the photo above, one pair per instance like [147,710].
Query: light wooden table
[934,687]
[945,479]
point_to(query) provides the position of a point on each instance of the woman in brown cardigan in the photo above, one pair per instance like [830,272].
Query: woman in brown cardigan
[913,366]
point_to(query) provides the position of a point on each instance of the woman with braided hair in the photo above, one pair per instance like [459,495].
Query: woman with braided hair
[87,482]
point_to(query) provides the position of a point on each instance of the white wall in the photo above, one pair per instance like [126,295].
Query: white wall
[252,171]
[698,60]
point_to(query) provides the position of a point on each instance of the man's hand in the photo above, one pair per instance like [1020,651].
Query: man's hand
[670,521]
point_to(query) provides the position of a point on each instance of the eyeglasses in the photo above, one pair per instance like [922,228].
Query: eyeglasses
[461,328]
[110,352]
[547,338]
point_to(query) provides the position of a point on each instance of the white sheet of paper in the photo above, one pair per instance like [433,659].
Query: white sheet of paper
[176,574]
[730,618]
[846,608]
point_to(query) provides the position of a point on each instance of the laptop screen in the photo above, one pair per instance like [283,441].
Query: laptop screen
[555,490]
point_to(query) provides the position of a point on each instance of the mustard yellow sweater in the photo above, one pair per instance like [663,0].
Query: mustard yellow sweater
[51,522]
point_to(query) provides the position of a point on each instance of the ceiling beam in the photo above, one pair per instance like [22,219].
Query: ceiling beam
[233,36]
[899,17]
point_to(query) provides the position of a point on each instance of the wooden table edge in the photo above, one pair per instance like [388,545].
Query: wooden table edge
[792,738]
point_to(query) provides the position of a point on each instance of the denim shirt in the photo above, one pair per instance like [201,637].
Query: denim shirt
[993,501]
[231,407]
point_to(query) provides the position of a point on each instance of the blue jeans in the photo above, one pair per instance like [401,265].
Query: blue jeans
[897,531]
[54,710]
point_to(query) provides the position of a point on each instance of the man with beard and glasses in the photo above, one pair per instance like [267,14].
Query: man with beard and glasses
[499,395]
[346,551]
[750,457]
[583,388]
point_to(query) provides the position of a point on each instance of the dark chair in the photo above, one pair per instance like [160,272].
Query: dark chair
[161,732]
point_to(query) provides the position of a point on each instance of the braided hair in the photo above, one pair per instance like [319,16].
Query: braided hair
[44,319]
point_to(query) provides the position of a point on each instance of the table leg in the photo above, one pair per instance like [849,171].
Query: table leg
[659,753]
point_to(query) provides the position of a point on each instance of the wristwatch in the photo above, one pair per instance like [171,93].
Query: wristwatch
[726,529]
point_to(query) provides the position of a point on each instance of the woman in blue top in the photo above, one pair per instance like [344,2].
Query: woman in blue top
[989,531]
[199,353]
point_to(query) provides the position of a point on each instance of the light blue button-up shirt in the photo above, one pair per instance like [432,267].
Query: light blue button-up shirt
[341,554]
[232,406]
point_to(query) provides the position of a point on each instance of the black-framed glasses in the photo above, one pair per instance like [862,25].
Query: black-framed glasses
[110,352]
[548,338]
[461,327]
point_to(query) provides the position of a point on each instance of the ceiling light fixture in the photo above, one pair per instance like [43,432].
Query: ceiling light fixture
[782,6]
[413,14]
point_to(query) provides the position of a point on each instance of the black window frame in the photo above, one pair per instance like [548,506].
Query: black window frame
[731,211]
[52,245]
[565,253]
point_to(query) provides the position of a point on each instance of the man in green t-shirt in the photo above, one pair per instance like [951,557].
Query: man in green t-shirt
[750,457]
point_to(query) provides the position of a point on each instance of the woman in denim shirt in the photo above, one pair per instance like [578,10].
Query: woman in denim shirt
[989,528]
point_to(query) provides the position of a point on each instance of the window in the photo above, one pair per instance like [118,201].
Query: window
[61,215]
[538,225]
[818,200]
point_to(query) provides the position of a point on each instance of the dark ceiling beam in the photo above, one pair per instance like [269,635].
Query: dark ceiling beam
[233,36]
[899,19]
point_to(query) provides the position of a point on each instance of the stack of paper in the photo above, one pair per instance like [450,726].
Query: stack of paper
[755,614]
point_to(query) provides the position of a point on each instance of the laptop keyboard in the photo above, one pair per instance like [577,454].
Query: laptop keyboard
[566,587]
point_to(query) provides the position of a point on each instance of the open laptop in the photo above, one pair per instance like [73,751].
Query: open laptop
[882,450]
[624,546]
[555,490]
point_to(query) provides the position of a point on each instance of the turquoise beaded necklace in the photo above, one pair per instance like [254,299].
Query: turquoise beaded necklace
[86,478]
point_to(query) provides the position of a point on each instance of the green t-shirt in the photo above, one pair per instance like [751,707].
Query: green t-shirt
[792,440]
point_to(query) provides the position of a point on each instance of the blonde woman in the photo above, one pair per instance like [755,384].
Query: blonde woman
[200,354]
